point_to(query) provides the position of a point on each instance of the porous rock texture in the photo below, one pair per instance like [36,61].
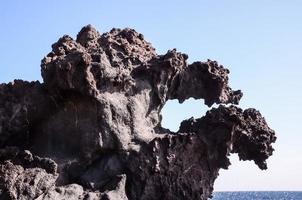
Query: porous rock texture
[92,130]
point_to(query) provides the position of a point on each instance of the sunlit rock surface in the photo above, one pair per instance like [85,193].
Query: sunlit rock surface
[92,129]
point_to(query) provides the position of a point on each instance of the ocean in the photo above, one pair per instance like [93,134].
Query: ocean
[282,195]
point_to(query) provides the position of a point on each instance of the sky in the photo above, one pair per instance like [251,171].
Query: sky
[260,41]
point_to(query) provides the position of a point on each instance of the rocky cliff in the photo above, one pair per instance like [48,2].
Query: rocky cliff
[92,129]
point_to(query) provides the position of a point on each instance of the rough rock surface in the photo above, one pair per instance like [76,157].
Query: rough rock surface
[92,129]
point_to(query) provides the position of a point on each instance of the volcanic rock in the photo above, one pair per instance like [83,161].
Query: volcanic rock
[92,129]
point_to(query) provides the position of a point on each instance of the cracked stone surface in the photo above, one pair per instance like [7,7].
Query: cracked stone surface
[92,129]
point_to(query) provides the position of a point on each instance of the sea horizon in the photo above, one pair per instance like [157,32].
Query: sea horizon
[258,191]
[257,195]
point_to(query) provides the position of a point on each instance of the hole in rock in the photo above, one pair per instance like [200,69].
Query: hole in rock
[173,112]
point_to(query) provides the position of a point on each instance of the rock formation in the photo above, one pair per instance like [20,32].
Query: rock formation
[92,130]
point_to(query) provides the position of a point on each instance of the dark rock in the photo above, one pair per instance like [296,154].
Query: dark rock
[93,130]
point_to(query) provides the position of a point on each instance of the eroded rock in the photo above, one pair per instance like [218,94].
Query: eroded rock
[92,129]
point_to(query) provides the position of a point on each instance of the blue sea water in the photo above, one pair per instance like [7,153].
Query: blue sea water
[282,195]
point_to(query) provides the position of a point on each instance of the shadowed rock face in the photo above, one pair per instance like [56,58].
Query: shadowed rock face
[93,130]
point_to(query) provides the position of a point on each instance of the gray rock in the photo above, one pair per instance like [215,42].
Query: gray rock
[92,129]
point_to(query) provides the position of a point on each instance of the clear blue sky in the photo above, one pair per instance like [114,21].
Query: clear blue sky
[259,41]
